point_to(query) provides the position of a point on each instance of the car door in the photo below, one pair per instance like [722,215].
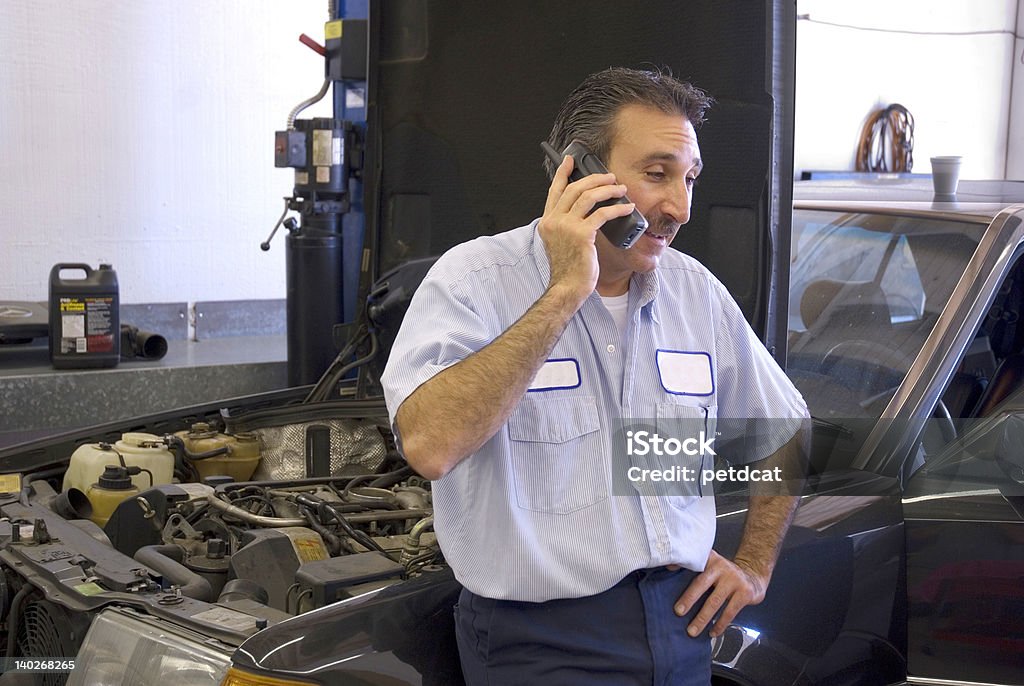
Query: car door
[964,514]
[964,521]
[872,358]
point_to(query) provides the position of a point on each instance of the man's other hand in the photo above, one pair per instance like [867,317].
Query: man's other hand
[735,586]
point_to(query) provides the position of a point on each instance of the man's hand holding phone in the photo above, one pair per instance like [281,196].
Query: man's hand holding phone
[622,231]
[570,224]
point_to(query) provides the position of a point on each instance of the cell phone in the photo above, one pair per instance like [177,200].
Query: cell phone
[621,231]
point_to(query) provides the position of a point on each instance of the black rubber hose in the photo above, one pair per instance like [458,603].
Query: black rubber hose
[3,597]
[12,626]
[177,440]
[166,559]
[38,476]
[391,478]
[332,541]
[359,536]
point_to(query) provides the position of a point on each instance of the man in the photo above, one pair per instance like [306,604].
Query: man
[519,361]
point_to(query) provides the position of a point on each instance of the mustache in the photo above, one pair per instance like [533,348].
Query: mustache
[662,226]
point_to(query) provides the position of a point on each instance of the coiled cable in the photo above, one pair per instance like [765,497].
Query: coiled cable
[887,137]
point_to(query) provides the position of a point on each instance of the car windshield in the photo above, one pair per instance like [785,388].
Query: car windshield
[865,291]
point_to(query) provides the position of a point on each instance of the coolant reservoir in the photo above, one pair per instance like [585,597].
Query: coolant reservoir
[113,486]
[240,461]
[138,450]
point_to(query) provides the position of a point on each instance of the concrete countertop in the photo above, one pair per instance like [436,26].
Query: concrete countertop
[38,400]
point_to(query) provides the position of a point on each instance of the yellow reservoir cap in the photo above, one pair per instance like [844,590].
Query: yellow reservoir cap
[237,677]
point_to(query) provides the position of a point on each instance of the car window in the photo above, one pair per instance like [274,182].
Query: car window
[857,255]
[984,398]
[866,291]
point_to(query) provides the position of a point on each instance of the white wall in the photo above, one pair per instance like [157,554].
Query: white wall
[956,86]
[141,134]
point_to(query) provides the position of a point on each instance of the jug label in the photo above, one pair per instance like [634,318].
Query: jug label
[86,325]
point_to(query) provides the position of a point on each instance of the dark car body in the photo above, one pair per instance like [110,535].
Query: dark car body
[904,563]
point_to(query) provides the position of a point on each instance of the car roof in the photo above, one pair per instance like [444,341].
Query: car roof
[906,194]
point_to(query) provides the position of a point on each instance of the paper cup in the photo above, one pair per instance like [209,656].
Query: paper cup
[946,175]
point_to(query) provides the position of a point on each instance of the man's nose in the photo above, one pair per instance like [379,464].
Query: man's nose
[677,204]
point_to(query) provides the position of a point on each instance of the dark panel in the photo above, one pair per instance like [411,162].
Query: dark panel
[463,92]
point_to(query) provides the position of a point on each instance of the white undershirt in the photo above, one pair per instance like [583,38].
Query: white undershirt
[618,306]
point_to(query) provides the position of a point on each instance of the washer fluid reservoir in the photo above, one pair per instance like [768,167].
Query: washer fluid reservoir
[137,449]
[113,486]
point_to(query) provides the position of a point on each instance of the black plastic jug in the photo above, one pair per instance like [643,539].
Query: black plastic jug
[85,328]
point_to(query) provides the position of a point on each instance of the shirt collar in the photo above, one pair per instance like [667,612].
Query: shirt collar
[645,286]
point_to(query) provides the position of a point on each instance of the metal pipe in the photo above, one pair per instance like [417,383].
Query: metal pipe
[412,543]
[273,522]
[249,517]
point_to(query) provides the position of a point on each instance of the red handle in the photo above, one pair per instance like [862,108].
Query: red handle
[313,45]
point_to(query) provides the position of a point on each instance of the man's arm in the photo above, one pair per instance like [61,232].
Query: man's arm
[451,415]
[744,580]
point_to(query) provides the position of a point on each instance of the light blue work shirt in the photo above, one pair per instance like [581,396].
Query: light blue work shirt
[532,515]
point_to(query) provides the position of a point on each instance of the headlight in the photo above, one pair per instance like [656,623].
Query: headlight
[122,649]
[237,677]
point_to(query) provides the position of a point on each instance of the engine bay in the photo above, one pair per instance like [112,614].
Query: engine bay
[231,524]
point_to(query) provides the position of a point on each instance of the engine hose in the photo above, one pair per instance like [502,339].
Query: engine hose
[29,478]
[3,597]
[391,478]
[166,559]
[182,467]
[332,541]
[177,441]
[329,379]
[360,537]
[15,615]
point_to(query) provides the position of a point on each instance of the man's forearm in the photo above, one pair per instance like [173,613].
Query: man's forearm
[768,519]
[773,505]
[450,416]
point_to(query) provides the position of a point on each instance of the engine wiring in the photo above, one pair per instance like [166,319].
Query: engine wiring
[338,368]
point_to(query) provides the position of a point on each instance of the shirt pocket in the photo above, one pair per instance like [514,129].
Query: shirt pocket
[556,454]
[693,426]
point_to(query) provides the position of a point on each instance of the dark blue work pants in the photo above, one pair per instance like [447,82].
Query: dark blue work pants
[628,635]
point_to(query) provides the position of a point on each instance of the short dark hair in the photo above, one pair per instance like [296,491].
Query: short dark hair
[589,112]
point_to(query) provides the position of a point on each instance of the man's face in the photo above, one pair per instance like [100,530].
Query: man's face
[656,156]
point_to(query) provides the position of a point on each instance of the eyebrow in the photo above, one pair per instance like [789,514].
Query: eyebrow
[668,157]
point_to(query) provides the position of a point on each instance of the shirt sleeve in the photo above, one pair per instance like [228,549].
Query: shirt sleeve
[757,402]
[440,329]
